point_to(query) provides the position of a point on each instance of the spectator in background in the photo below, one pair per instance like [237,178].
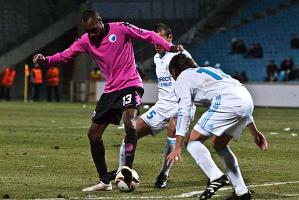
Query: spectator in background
[36,78]
[272,71]
[255,51]
[95,74]
[207,63]
[293,73]
[238,46]
[8,77]
[53,83]
[218,66]
[294,41]
[242,77]
[285,68]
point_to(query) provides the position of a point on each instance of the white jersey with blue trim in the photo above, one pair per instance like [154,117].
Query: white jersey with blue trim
[199,85]
[165,81]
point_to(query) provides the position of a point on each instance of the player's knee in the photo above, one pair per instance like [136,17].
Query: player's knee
[218,146]
[94,134]
[129,122]
[171,132]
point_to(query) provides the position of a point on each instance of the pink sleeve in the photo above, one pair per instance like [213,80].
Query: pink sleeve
[68,54]
[142,34]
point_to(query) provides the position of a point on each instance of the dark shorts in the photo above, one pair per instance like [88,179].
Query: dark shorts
[110,107]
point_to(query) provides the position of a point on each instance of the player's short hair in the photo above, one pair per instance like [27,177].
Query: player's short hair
[181,62]
[87,14]
[162,27]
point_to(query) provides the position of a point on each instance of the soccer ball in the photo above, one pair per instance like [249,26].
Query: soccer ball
[125,187]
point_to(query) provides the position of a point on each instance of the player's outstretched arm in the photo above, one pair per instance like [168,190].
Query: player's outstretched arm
[149,36]
[258,137]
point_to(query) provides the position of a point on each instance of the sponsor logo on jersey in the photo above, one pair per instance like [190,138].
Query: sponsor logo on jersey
[112,38]
[165,81]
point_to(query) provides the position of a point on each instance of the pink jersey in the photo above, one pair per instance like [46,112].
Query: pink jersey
[114,54]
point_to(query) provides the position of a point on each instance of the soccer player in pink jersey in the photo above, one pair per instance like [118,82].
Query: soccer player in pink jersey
[110,45]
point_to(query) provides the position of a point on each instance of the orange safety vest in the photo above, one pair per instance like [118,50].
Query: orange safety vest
[38,77]
[53,76]
[8,77]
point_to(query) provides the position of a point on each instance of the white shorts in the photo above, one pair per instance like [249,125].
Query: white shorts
[158,116]
[229,113]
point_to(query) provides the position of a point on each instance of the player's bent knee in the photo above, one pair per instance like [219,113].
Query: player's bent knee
[171,132]
[196,136]
[95,133]
[220,143]
[218,147]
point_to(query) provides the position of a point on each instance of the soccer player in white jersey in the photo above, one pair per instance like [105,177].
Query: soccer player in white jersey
[230,111]
[164,113]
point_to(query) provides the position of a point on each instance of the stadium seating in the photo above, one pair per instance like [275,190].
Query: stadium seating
[21,20]
[273,32]
[12,25]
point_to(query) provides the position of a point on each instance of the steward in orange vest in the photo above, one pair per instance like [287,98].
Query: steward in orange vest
[36,80]
[8,78]
[95,74]
[53,82]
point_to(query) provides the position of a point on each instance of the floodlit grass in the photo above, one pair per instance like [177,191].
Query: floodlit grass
[44,153]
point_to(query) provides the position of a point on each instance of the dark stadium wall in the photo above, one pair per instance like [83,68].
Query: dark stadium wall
[66,70]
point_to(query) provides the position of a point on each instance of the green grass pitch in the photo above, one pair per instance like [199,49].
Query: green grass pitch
[44,153]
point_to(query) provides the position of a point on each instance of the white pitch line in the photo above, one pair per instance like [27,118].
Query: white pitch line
[63,127]
[193,193]
[190,194]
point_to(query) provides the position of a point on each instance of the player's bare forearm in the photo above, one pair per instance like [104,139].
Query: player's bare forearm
[179,142]
[175,155]
[258,137]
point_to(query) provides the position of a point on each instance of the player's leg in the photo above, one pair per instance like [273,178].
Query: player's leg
[49,93]
[202,155]
[231,164]
[56,90]
[161,179]
[105,113]
[8,93]
[203,159]
[129,119]
[142,129]
[97,148]
[1,91]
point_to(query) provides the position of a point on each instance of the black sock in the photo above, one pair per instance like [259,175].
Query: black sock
[130,146]
[98,156]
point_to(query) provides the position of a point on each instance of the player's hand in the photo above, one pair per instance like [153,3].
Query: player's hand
[261,141]
[174,156]
[177,48]
[39,59]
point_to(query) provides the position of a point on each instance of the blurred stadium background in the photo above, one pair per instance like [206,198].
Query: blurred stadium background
[206,28]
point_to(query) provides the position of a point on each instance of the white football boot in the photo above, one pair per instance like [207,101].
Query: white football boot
[99,187]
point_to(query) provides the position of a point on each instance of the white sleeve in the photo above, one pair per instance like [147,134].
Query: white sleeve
[183,92]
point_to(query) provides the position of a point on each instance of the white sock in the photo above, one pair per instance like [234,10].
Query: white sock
[169,146]
[203,158]
[233,170]
[122,157]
